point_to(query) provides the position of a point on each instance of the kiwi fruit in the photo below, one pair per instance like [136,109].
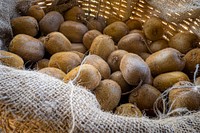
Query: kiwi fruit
[134,24]
[36,11]
[51,22]
[165,60]
[54,72]
[25,25]
[74,31]
[41,64]
[153,28]
[183,41]
[27,47]
[84,75]
[89,36]
[94,24]
[78,47]
[75,14]
[108,94]
[158,45]
[56,42]
[144,56]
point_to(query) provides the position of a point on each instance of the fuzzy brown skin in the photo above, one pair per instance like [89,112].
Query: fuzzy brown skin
[89,36]
[94,24]
[134,69]
[133,43]
[117,77]
[134,24]
[114,59]
[89,77]
[144,56]
[101,65]
[129,110]
[183,42]
[158,45]
[81,55]
[56,42]
[166,80]
[51,22]
[108,94]
[192,59]
[74,31]
[102,46]
[116,30]
[54,72]
[153,29]
[144,97]
[165,60]
[65,61]
[75,14]
[79,47]
[27,47]
[41,64]
[25,25]
[36,11]
[11,59]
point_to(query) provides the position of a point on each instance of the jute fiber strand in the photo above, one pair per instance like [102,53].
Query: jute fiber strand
[34,102]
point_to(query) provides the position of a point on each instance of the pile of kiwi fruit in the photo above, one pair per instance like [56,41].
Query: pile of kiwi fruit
[126,65]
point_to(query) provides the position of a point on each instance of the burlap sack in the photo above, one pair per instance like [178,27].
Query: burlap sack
[34,102]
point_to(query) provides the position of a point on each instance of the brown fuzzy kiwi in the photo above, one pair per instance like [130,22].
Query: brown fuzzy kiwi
[134,24]
[166,80]
[137,31]
[128,109]
[183,41]
[133,43]
[158,45]
[75,14]
[153,29]
[51,22]
[74,31]
[165,60]
[114,59]
[118,77]
[101,65]
[102,46]
[81,55]
[65,61]
[197,81]
[41,64]
[192,59]
[134,69]
[27,47]
[116,30]
[79,47]
[184,96]
[11,59]
[54,72]
[144,56]
[108,94]
[145,97]
[84,75]
[25,25]
[56,42]
[94,24]
[89,36]
[36,11]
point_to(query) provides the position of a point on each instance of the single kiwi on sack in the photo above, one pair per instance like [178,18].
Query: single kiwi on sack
[183,41]
[51,22]
[102,46]
[116,30]
[11,59]
[54,72]
[89,36]
[25,25]
[108,94]
[36,11]
[166,60]
[101,65]
[134,24]
[56,42]
[133,43]
[158,45]
[41,64]
[153,28]
[135,70]
[84,75]
[75,14]
[166,80]
[114,59]
[128,109]
[73,30]
[27,47]
[65,61]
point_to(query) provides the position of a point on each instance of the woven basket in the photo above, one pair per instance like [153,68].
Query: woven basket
[123,10]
